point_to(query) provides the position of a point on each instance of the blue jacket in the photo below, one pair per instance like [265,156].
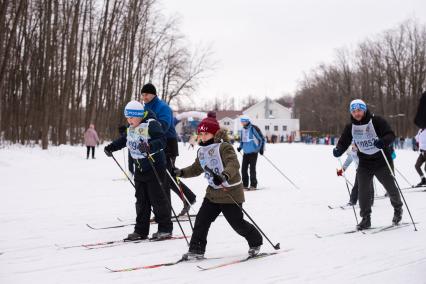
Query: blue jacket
[255,142]
[164,115]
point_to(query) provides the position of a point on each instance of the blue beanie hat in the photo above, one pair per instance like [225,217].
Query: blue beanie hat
[244,118]
[134,109]
[357,104]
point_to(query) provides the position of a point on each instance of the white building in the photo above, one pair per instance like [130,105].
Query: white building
[271,117]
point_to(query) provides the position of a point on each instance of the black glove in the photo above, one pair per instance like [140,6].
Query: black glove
[261,150]
[178,172]
[144,147]
[337,152]
[219,179]
[239,149]
[108,151]
[379,143]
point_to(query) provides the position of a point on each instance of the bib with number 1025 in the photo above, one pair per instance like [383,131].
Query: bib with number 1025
[364,137]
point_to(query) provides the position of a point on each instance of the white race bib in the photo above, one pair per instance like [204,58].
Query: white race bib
[364,137]
[135,136]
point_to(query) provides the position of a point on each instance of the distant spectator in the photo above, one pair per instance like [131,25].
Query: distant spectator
[91,139]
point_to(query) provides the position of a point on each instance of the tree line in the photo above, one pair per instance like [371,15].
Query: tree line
[67,63]
[387,71]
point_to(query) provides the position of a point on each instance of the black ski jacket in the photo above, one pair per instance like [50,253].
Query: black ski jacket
[383,131]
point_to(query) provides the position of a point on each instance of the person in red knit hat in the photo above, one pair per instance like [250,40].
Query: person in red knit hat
[217,159]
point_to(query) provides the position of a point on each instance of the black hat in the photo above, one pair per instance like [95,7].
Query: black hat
[149,89]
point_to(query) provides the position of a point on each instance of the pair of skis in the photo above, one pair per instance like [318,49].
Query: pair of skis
[113,243]
[152,221]
[373,230]
[202,268]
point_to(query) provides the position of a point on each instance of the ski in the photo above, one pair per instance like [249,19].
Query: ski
[260,255]
[343,207]
[319,236]
[152,221]
[111,243]
[158,265]
[390,228]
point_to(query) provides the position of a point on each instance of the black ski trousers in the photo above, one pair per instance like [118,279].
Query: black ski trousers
[365,178]
[233,214]
[150,194]
[249,160]
[420,160]
[354,192]
[88,151]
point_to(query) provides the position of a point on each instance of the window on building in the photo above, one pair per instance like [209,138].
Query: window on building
[276,128]
[266,127]
[284,127]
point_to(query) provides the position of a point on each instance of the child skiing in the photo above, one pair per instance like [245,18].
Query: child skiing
[372,135]
[144,136]
[217,159]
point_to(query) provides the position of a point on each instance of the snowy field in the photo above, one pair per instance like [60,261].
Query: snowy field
[47,197]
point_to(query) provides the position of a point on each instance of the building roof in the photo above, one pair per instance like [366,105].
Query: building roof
[228,113]
[271,102]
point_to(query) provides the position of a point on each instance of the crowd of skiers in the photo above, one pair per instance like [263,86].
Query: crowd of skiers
[151,140]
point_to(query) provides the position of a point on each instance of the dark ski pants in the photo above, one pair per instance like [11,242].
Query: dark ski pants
[88,151]
[420,160]
[365,178]
[131,164]
[233,214]
[150,194]
[169,184]
[249,160]
[354,192]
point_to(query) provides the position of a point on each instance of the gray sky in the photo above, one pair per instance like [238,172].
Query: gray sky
[265,46]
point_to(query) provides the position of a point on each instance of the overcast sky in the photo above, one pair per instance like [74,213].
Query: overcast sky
[263,47]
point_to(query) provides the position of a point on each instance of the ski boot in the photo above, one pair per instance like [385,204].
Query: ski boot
[253,251]
[193,255]
[364,224]
[159,236]
[422,182]
[350,203]
[135,237]
[397,216]
[252,187]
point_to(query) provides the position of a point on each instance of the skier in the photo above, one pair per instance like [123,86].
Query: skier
[353,157]
[91,140]
[216,158]
[252,142]
[421,140]
[165,116]
[145,135]
[371,134]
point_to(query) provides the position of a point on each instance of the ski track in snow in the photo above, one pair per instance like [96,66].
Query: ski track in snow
[49,196]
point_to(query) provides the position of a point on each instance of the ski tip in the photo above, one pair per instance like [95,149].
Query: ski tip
[318,236]
[90,227]
[109,269]
[201,268]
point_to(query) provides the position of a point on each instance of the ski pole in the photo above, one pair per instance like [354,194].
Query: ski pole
[347,186]
[280,171]
[277,246]
[400,191]
[406,180]
[123,171]
[149,158]
[182,196]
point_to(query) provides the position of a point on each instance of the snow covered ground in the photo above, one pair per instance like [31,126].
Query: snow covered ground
[47,197]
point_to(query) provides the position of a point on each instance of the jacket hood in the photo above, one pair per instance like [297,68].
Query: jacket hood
[221,136]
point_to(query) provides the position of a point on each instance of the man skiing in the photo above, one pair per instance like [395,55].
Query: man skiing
[145,135]
[217,159]
[371,134]
[252,142]
[421,140]
[165,116]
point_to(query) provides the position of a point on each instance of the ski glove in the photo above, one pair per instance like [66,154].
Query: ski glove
[337,152]
[261,150]
[239,149]
[178,172]
[107,151]
[218,179]
[379,143]
[339,172]
[144,147]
